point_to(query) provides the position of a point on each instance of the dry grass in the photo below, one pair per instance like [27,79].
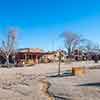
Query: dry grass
[44,89]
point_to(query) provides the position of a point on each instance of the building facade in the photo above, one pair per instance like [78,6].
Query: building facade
[32,54]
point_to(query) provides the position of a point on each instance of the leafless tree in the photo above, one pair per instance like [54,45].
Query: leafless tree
[88,45]
[8,46]
[71,41]
[96,47]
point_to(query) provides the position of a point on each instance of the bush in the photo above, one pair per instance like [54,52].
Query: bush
[42,60]
[30,62]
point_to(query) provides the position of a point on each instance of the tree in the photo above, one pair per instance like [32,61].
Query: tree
[71,41]
[88,45]
[96,47]
[8,46]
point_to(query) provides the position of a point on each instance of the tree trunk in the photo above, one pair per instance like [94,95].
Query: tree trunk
[69,52]
[14,59]
[7,60]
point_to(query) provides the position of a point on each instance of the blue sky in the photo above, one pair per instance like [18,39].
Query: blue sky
[39,22]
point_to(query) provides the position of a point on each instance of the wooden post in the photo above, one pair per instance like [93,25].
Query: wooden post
[25,57]
[36,60]
[59,63]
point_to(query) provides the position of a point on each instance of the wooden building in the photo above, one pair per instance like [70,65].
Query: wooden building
[26,54]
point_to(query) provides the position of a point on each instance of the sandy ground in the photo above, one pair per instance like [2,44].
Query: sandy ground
[20,87]
[24,83]
[76,88]
[70,87]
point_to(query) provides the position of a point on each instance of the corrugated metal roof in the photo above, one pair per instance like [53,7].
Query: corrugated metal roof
[30,50]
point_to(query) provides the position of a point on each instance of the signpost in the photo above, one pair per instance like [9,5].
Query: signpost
[59,64]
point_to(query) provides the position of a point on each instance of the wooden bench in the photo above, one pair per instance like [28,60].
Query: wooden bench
[80,71]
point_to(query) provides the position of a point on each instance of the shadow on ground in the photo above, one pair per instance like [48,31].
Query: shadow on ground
[97,84]
[63,74]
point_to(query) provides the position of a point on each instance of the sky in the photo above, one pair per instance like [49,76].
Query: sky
[39,22]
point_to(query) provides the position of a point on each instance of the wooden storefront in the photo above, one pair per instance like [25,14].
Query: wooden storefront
[25,56]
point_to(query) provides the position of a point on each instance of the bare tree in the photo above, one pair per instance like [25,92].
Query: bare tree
[71,41]
[88,45]
[8,46]
[96,47]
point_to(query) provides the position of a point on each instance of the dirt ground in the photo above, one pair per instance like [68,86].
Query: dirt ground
[25,83]
[86,87]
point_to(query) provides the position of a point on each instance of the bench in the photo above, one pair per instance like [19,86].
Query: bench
[80,71]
